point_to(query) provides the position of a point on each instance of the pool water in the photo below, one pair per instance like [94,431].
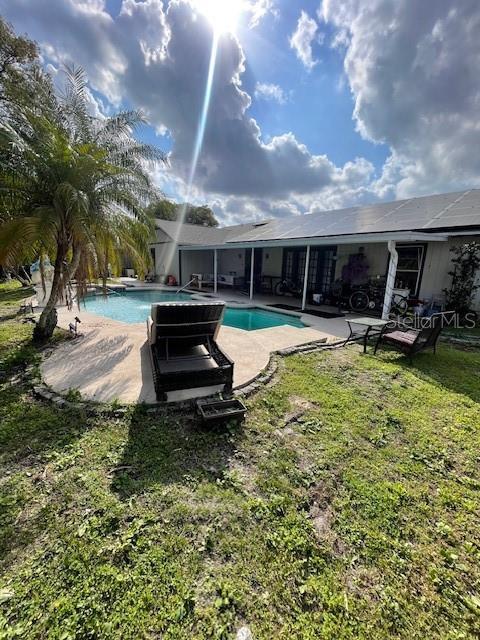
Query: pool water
[252,319]
[134,306]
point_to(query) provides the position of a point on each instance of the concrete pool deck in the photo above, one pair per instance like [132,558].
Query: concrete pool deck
[111,361]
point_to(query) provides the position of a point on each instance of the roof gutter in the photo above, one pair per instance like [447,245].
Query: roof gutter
[457,234]
[399,236]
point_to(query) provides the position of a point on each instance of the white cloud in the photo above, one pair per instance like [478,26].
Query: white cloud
[411,68]
[259,9]
[413,72]
[156,58]
[267,91]
[302,39]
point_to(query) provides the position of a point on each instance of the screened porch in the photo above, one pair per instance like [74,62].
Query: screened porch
[311,274]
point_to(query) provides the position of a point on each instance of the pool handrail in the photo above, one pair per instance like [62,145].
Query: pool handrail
[113,291]
[185,286]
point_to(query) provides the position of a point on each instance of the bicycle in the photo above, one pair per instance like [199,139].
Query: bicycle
[287,287]
[370,299]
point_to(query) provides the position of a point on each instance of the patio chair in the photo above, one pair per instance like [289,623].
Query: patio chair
[411,341]
[183,347]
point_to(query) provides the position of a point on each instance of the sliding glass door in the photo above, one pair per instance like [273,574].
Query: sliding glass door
[321,271]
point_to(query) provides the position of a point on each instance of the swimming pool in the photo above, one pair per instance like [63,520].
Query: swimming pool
[253,319]
[134,306]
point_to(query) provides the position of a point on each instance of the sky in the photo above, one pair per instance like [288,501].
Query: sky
[314,105]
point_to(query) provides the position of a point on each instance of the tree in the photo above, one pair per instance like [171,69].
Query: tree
[23,85]
[163,209]
[201,215]
[167,210]
[16,54]
[73,187]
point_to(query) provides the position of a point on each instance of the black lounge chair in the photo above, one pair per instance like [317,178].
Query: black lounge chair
[411,341]
[183,347]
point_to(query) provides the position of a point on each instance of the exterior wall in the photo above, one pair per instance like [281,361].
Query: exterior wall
[231,262]
[196,262]
[166,256]
[438,263]
[272,261]
[435,272]
[376,254]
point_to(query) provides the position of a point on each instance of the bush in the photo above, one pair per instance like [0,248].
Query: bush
[466,264]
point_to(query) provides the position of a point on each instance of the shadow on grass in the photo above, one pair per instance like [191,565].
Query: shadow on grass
[172,448]
[10,316]
[30,428]
[12,296]
[32,434]
[454,369]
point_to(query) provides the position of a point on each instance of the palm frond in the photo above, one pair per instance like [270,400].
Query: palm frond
[122,124]
[20,238]
[74,101]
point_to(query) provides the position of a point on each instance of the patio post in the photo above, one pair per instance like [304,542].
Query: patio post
[390,284]
[305,278]
[215,270]
[252,272]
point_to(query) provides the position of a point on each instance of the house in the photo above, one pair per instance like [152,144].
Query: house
[404,245]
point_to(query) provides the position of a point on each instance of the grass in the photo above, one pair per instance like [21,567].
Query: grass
[346,507]
[12,295]
[463,332]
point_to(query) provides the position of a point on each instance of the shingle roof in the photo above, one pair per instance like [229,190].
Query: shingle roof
[192,234]
[189,233]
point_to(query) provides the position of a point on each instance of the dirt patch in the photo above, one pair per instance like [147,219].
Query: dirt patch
[245,474]
[299,407]
[364,582]
[322,520]
[286,432]
[322,515]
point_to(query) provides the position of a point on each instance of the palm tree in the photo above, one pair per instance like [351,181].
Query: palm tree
[74,187]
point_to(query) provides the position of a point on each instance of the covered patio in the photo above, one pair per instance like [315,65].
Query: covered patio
[299,274]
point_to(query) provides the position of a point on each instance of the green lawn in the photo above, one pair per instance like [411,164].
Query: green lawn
[347,506]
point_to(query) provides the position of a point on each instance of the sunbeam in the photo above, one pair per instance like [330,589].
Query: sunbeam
[202,123]
[204,115]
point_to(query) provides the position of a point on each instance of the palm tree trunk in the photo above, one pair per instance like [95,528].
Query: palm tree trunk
[75,262]
[47,322]
[105,272]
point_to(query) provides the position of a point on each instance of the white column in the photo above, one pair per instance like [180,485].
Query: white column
[392,272]
[215,270]
[305,278]
[251,272]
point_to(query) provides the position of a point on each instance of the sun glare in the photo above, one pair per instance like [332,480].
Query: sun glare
[223,14]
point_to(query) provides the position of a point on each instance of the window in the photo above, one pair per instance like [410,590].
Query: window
[409,268]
